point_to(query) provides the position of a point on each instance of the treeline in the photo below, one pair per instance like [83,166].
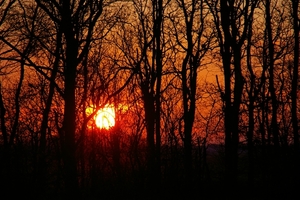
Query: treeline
[206,96]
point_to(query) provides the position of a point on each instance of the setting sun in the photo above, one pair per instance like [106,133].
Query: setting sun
[105,117]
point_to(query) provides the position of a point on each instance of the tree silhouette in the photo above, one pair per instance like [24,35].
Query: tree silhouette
[295,86]
[232,34]
[194,45]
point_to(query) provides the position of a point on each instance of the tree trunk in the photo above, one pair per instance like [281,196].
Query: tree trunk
[69,125]
[17,104]
[295,82]
[42,165]
[2,116]
[295,75]
[252,97]
[232,41]
[150,124]
[226,59]
[274,125]
[157,53]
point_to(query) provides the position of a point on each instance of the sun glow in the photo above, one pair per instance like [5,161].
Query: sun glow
[105,117]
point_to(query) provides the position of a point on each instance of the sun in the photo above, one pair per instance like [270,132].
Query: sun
[105,117]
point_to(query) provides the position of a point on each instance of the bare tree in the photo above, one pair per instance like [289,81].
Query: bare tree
[270,64]
[295,86]
[233,20]
[75,23]
[5,7]
[193,38]
[143,51]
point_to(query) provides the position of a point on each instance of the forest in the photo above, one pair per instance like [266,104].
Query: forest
[149,99]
